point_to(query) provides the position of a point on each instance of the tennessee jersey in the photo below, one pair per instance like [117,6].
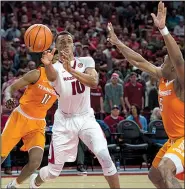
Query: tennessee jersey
[172,110]
[75,97]
[38,97]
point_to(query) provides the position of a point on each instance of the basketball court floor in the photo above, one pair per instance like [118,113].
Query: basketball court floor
[69,179]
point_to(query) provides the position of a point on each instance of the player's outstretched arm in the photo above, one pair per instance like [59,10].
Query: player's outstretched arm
[29,78]
[46,59]
[133,57]
[172,47]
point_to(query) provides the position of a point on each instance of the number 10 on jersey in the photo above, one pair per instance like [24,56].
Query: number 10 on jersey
[77,87]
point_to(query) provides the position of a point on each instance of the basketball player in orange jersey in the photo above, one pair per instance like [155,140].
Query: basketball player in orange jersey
[27,121]
[169,162]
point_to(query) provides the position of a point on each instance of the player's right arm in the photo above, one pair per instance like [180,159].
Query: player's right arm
[46,59]
[29,78]
[133,57]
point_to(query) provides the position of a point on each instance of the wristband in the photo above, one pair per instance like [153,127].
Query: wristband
[164,31]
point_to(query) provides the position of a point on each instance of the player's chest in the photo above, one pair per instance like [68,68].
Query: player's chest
[72,85]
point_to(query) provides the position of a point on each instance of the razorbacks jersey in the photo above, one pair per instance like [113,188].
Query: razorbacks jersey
[172,109]
[38,97]
[74,97]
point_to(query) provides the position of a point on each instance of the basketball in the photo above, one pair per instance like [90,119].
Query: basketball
[38,38]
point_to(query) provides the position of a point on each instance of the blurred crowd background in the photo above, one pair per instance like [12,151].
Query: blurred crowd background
[87,21]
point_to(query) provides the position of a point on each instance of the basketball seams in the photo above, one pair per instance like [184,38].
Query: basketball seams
[36,37]
[44,38]
[29,33]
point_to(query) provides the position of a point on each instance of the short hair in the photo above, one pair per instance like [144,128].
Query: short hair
[62,33]
[133,73]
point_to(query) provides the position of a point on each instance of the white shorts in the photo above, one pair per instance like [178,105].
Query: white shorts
[66,134]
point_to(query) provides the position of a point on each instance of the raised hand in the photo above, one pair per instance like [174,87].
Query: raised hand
[160,19]
[47,56]
[10,103]
[112,38]
[64,57]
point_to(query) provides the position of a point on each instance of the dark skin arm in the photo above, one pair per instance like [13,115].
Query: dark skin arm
[171,45]
[28,78]
[46,59]
[133,57]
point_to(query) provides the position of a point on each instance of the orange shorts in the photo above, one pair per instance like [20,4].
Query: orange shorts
[174,151]
[18,126]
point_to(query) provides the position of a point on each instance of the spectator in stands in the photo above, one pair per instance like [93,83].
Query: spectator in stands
[156,114]
[22,55]
[114,94]
[102,78]
[113,119]
[12,32]
[97,101]
[151,83]
[10,80]
[116,70]
[136,117]
[173,19]
[78,49]
[179,29]
[134,92]
[133,43]
[31,65]
[153,98]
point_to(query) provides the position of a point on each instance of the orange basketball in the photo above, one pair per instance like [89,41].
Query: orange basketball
[38,38]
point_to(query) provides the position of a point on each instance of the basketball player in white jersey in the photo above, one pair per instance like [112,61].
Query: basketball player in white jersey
[72,79]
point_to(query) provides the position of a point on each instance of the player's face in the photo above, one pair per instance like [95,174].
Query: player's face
[167,68]
[64,42]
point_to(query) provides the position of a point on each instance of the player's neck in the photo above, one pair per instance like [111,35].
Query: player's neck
[71,57]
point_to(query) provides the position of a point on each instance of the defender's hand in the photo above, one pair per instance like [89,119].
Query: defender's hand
[10,103]
[47,56]
[113,39]
[160,19]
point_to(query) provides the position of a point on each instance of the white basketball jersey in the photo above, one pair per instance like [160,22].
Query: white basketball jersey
[74,97]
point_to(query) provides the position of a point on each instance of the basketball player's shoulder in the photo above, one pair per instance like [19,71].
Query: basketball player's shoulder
[57,65]
[87,61]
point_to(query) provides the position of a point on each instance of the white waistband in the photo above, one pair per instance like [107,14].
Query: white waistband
[72,114]
[24,114]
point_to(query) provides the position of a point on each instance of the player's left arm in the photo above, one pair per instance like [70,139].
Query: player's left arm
[89,78]
[172,47]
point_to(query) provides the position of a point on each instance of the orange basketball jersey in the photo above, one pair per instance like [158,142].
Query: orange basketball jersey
[172,110]
[39,97]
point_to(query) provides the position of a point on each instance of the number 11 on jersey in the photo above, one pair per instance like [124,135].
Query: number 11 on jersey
[45,99]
